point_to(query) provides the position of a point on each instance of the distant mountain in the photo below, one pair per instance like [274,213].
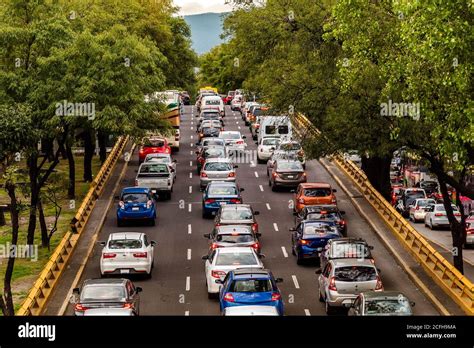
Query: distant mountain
[206,29]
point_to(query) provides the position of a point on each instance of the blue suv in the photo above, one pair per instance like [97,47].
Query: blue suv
[218,193]
[250,287]
[136,204]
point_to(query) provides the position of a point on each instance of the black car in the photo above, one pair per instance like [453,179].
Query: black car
[185,98]
[323,212]
[208,132]
[106,293]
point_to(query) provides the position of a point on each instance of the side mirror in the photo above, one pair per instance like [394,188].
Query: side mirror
[412,304]
[175,161]
[153,243]
[172,170]
[261,256]
[207,235]
[116,198]
[241,189]
[295,213]
[258,234]
[205,257]
[279,280]
[292,229]
[343,212]
[244,137]
[196,152]
[138,289]
[318,271]
[235,166]
[102,243]
[75,291]
[256,213]
[219,281]
[334,190]
[73,299]
[379,270]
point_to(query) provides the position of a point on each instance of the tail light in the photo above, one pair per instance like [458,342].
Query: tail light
[80,308]
[256,246]
[229,298]
[149,204]
[301,153]
[304,174]
[276,296]
[203,175]
[332,284]
[201,135]
[457,214]
[142,150]
[168,150]
[239,142]
[255,227]
[274,174]
[201,160]
[417,208]
[257,126]
[214,246]
[333,200]
[303,242]
[231,175]
[108,255]
[342,222]
[301,200]
[470,232]
[439,214]
[235,200]
[122,204]
[379,285]
[140,255]
[127,305]
[218,274]
[209,201]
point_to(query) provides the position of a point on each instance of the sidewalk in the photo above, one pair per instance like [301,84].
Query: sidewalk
[87,239]
[430,288]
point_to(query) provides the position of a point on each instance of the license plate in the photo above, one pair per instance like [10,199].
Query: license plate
[153,191]
[222,203]
[124,271]
[135,208]
[290,176]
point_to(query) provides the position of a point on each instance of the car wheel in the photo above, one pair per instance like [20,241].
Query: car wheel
[204,215]
[119,223]
[299,261]
[329,309]
[274,188]
[293,250]
[268,173]
[259,161]
[321,298]
[152,222]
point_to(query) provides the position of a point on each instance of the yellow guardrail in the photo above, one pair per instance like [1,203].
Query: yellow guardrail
[42,288]
[456,285]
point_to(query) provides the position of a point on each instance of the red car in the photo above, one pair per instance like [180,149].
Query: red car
[396,193]
[227,100]
[153,145]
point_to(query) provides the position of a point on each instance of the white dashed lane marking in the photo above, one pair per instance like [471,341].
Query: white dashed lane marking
[189,229]
[295,281]
[188,283]
[283,249]
[275,227]
[261,187]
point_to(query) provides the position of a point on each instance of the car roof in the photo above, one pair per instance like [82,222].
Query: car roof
[230,132]
[125,235]
[226,229]
[316,185]
[222,183]
[318,208]
[226,160]
[136,189]
[352,262]
[105,281]
[348,240]
[236,206]
[240,272]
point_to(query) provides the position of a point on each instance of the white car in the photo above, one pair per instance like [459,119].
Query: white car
[436,216]
[234,140]
[212,103]
[251,311]
[163,158]
[266,146]
[236,104]
[246,108]
[222,260]
[417,209]
[127,253]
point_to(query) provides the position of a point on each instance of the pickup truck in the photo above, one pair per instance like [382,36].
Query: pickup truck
[157,177]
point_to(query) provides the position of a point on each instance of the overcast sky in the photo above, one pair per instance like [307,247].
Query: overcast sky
[201,6]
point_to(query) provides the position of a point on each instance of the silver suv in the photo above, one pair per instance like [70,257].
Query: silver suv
[221,169]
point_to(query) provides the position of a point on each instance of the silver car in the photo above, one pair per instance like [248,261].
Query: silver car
[436,216]
[234,140]
[266,146]
[416,210]
[382,303]
[341,281]
[221,169]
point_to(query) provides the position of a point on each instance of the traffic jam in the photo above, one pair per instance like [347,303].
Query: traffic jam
[347,277]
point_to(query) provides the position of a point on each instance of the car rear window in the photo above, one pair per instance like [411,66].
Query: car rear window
[424,203]
[222,190]
[350,250]
[322,215]
[154,168]
[236,214]
[213,102]
[251,285]
[213,153]
[355,274]
[153,143]
[125,244]
[135,198]
[212,142]
[290,146]
[387,306]
[317,192]
[236,259]
[318,228]
[290,166]
[235,238]
[271,141]
[230,136]
[103,292]
[217,167]
[414,194]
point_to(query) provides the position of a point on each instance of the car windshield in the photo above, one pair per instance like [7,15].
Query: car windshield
[322,215]
[317,192]
[350,250]
[271,141]
[217,167]
[154,168]
[213,153]
[236,214]
[290,147]
[290,166]
[150,142]
[135,197]
[355,274]
[387,306]
[318,228]
[230,136]
[414,194]
[222,190]
[103,292]
[213,142]
[236,259]
[210,130]
[425,202]
[235,238]
[251,285]
[125,244]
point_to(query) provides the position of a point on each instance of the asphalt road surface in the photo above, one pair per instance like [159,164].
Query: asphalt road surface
[177,286]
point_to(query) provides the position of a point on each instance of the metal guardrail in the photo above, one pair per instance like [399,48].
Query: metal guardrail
[456,285]
[42,288]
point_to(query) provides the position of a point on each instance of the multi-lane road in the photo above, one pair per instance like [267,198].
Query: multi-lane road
[177,286]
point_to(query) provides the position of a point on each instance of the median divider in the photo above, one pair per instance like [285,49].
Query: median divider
[456,285]
[39,294]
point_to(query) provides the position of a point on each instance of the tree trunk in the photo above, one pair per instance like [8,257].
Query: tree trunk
[102,145]
[71,189]
[44,228]
[88,153]
[33,176]
[62,151]
[377,170]
[6,300]
[47,148]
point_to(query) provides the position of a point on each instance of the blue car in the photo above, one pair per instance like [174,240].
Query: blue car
[218,193]
[310,237]
[136,204]
[250,287]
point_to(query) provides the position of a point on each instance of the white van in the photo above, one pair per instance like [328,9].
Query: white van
[213,102]
[275,126]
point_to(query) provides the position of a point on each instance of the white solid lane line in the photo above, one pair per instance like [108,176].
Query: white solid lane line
[268,207]
[189,229]
[189,254]
[275,227]
[307,313]
[283,249]
[188,283]
[295,281]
